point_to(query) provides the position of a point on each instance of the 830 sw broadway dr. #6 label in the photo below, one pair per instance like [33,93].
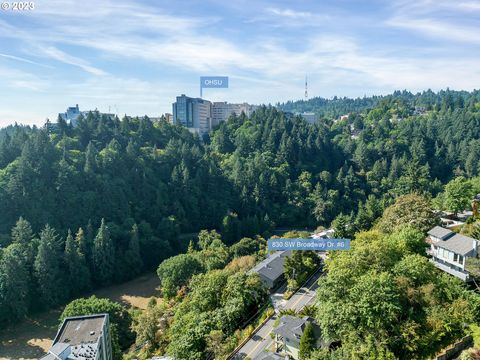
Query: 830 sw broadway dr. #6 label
[309,244]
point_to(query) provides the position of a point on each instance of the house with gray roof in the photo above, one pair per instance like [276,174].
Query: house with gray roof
[270,269]
[439,233]
[82,338]
[288,333]
[449,251]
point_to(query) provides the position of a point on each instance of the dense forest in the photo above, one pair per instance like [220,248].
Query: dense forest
[110,198]
[382,299]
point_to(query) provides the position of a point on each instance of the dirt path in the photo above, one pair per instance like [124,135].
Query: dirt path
[32,337]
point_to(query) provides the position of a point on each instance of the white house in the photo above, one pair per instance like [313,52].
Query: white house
[449,251]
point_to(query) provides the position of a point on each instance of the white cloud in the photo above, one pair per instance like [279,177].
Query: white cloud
[59,55]
[289,13]
[17,58]
[427,17]
[468,5]
[18,79]
[437,29]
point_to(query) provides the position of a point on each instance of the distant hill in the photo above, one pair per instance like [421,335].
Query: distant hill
[337,106]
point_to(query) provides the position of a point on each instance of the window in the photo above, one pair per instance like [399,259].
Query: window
[460,259]
[455,257]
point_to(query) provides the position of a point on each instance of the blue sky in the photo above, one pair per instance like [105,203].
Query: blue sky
[134,57]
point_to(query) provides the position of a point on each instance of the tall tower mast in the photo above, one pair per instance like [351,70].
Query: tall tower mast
[306,88]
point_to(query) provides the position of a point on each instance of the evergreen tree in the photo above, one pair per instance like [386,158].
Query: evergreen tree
[78,273]
[83,247]
[231,228]
[307,341]
[191,248]
[22,235]
[14,284]
[89,236]
[343,226]
[90,159]
[103,256]
[22,232]
[133,260]
[48,271]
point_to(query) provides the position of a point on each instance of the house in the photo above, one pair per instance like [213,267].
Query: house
[325,234]
[288,333]
[420,110]
[270,270]
[439,233]
[449,251]
[82,338]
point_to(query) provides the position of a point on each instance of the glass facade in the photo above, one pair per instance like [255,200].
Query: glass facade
[183,111]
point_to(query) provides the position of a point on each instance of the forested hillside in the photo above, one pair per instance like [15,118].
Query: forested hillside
[110,197]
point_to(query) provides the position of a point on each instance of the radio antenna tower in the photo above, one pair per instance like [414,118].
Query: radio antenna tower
[306,88]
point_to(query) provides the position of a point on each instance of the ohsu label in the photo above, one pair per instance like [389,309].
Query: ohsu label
[214,81]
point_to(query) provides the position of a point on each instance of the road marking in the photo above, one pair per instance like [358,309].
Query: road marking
[260,343]
[310,288]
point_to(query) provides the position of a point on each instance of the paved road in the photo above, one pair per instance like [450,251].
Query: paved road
[261,340]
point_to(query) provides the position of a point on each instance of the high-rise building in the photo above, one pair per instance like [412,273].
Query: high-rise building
[200,115]
[81,338]
[193,113]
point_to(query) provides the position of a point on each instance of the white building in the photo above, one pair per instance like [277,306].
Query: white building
[449,251]
[202,115]
[73,112]
[222,110]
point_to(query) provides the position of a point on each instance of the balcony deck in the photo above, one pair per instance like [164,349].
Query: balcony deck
[448,268]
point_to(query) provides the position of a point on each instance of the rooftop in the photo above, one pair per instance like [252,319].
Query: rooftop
[84,352]
[82,329]
[440,232]
[272,266]
[292,327]
[78,338]
[458,243]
